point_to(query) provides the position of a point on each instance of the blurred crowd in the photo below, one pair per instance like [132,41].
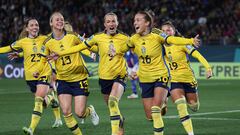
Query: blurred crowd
[216,21]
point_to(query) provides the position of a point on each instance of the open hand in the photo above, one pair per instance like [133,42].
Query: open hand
[13,55]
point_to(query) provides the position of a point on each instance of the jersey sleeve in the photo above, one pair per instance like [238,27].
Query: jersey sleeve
[189,49]
[130,43]
[82,46]
[178,40]
[201,59]
[86,52]
[94,49]
[16,45]
[20,54]
[172,39]
[5,49]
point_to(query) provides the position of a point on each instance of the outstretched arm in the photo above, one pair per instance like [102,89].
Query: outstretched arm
[204,62]
[5,49]
[183,41]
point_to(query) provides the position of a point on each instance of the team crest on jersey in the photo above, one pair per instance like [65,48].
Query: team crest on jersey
[34,49]
[43,48]
[143,49]
[189,47]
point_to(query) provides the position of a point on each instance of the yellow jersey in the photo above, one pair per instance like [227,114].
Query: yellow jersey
[70,68]
[149,49]
[31,48]
[109,67]
[177,58]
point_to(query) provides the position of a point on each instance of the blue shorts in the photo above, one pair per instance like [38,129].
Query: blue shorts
[106,85]
[73,88]
[187,87]
[148,88]
[33,84]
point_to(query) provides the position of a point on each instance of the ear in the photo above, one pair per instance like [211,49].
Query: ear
[148,23]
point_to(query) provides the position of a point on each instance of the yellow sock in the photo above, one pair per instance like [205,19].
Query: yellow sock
[48,100]
[37,112]
[72,124]
[56,112]
[114,114]
[158,124]
[184,116]
[86,113]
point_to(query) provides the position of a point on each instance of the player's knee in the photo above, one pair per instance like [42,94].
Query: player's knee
[80,113]
[66,111]
[112,102]
[194,106]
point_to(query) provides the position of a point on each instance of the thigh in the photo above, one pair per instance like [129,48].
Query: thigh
[177,93]
[80,103]
[117,90]
[191,97]
[42,90]
[160,95]
[65,101]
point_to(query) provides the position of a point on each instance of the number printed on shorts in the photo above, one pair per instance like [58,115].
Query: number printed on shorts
[83,84]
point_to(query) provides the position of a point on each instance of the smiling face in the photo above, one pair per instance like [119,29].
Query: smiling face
[111,23]
[32,28]
[140,23]
[57,21]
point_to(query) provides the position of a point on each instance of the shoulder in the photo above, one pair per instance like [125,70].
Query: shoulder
[48,38]
[72,33]
[156,31]
[42,37]
[99,33]
[122,33]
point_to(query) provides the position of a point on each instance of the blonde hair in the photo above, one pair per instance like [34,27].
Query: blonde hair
[51,17]
[110,13]
[68,26]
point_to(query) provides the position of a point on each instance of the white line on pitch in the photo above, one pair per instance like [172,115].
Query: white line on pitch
[207,113]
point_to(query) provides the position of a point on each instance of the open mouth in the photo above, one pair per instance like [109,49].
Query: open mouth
[137,28]
[112,28]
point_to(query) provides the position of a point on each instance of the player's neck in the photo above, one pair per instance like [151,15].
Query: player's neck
[147,31]
[58,34]
[31,36]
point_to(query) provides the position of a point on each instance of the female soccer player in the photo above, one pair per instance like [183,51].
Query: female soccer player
[112,68]
[183,83]
[153,73]
[71,74]
[31,43]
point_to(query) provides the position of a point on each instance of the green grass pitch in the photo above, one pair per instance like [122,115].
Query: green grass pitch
[219,112]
